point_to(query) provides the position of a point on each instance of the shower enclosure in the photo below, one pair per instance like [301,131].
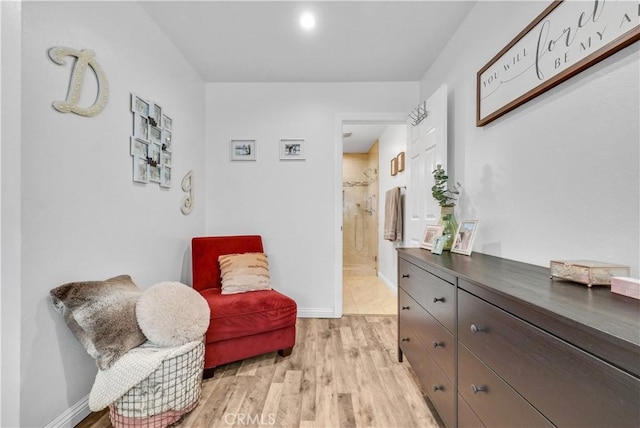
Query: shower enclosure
[360,213]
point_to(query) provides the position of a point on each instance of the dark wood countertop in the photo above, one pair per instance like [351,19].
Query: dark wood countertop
[594,319]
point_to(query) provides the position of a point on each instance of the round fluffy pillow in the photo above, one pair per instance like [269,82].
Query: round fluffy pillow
[172,314]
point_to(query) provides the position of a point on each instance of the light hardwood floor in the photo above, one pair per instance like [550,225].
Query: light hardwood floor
[342,373]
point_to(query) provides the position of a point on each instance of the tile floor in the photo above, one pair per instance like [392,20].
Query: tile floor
[367,295]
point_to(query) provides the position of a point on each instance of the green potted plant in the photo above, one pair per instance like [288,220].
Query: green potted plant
[446,197]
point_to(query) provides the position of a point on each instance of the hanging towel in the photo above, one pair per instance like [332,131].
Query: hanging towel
[393,215]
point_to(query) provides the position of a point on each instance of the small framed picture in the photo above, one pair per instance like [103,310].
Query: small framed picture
[140,170]
[165,176]
[155,115]
[141,127]
[463,240]
[154,173]
[292,148]
[438,244]
[394,166]
[139,147]
[139,106]
[166,144]
[166,159]
[243,150]
[167,122]
[154,154]
[155,135]
[431,233]
[400,161]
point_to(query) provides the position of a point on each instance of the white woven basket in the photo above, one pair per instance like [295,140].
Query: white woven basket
[165,396]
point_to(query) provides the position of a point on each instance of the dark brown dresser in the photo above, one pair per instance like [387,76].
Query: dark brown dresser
[497,343]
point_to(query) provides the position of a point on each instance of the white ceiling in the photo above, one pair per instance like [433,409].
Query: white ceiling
[353,41]
[362,137]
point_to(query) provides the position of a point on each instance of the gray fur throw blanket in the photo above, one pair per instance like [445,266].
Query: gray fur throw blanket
[102,316]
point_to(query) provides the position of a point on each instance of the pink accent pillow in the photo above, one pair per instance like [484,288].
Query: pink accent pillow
[242,273]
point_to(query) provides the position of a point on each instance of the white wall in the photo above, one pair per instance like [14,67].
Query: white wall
[557,178]
[82,216]
[10,223]
[292,204]
[392,141]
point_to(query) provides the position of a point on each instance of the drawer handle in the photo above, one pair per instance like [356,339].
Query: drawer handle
[406,275]
[405,339]
[436,344]
[438,388]
[404,308]
[477,389]
[438,299]
[475,328]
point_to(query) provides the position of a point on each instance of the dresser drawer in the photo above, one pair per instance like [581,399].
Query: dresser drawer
[492,400]
[466,417]
[432,293]
[436,384]
[568,385]
[431,334]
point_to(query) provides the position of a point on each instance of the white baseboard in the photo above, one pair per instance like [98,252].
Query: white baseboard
[390,284]
[72,416]
[316,313]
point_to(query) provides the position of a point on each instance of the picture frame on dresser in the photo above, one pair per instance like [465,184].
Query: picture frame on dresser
[465,235]
[431,233]
[438,245]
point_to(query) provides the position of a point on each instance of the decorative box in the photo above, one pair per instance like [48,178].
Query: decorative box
[629,287]
[587,272]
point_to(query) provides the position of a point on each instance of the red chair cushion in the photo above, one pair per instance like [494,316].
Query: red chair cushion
[245,314]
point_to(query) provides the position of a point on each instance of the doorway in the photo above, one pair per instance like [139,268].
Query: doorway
[360,167]
[359,290]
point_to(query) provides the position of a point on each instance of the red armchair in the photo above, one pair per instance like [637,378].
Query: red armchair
[242,325]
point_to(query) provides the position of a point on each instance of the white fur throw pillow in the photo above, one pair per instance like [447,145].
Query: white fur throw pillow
[172,314]
[241,273]
[101,315]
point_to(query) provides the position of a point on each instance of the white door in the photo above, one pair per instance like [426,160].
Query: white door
[427,147]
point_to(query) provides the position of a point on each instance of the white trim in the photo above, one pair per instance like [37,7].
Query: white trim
[72,416]
[341,119]
[390,284]
[317,313]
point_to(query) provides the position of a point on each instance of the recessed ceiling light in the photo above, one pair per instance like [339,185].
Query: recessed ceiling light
[307,21]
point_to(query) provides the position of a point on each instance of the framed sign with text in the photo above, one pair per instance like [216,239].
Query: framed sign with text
[565,39]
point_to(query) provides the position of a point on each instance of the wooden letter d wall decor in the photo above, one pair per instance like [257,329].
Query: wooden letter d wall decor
[84,58]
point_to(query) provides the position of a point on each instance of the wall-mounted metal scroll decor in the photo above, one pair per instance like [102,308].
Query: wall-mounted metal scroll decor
[187,201]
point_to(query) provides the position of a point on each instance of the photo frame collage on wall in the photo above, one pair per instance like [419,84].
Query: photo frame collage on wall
[151,142]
